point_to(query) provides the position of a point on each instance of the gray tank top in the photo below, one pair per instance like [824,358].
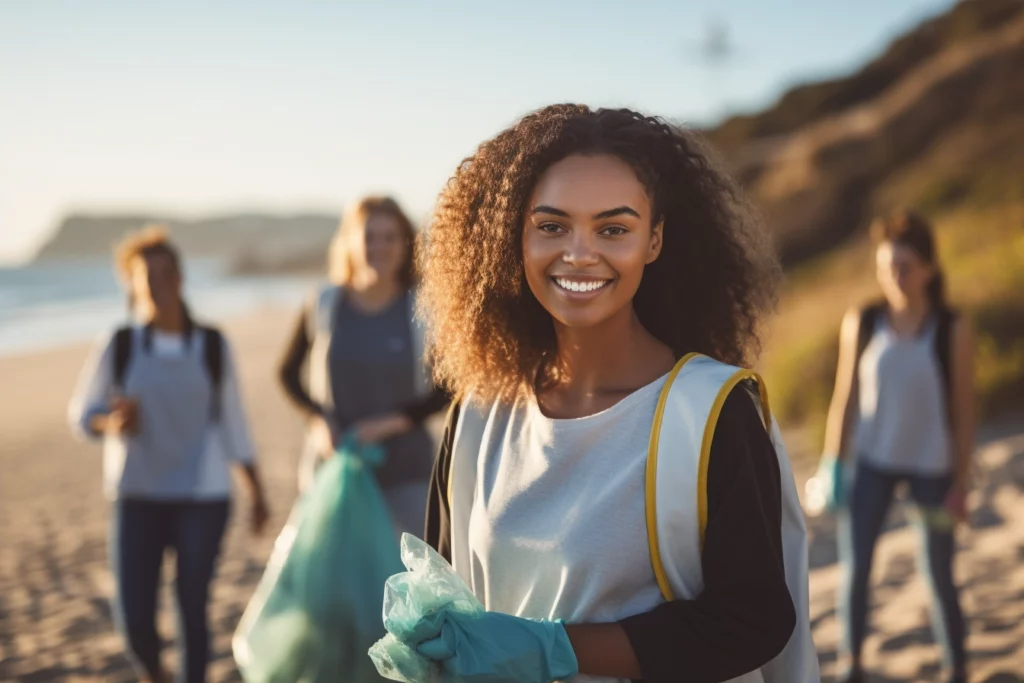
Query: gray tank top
[372,366]
[902,424]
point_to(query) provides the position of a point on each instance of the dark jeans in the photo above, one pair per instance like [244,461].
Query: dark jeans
[860,525]
[141,531]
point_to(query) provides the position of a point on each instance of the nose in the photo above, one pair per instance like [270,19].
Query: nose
[579,251]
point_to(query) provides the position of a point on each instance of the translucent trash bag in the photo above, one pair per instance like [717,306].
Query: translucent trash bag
[429,586]
[317,608]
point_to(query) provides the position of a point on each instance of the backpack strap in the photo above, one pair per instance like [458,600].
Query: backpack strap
[122,354]
[945,319]
[869,317]
[213,361]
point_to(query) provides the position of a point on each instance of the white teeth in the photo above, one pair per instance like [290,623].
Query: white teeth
[575,286]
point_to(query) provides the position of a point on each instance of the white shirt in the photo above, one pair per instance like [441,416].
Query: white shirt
[541,524]
[181,452]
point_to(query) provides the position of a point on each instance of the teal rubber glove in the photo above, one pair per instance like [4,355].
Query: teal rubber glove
[831,472]
[489,647]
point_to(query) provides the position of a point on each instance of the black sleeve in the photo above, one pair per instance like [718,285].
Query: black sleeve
[745,616]
[290,370]
[432,403]
[438,533]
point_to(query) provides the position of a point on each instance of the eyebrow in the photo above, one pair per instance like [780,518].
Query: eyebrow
[609,213]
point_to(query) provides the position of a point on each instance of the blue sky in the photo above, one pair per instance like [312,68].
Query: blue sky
[195,108]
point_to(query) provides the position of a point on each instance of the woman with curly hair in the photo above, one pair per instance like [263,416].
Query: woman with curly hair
[607,486]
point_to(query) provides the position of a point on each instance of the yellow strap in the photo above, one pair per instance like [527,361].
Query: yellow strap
[709,437]
[702,474]
[651,487]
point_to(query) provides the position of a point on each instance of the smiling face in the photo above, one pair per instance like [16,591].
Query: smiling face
[587,236]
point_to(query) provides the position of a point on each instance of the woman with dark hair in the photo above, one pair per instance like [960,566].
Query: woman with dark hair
[609,487]
[163,395]
[903,412]
[364,352]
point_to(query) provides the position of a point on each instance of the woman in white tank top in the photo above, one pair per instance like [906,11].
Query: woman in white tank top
[902,412]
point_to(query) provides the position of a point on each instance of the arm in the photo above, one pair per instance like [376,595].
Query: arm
[744,616]
[290,370]
[238,447]
[389,425]
[843,408]
[89,405]
[418,411]
[963,402]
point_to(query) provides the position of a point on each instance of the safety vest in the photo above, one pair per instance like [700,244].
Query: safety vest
[677,461]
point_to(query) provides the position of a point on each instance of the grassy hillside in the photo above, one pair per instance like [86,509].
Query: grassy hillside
[943,103]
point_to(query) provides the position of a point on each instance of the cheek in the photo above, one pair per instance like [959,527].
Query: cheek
[628,259]
[536,255]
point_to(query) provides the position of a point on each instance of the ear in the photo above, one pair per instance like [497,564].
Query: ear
[657,240]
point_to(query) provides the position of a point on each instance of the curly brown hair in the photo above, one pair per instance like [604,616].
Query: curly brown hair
[707,292]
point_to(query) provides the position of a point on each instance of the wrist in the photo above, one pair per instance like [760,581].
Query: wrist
[563,662]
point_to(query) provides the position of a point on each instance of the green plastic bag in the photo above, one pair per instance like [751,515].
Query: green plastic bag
[429,586]
[317,608]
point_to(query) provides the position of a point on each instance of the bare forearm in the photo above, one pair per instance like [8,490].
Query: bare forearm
[964,451]
[837,428]
[250,478]
[604,650]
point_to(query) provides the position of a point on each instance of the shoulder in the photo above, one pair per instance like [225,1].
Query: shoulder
[110,339]
[741,432]
[742,452]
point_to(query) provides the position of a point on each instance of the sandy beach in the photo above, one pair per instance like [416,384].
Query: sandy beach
[54,584]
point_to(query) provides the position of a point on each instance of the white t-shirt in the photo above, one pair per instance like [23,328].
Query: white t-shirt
[556,519]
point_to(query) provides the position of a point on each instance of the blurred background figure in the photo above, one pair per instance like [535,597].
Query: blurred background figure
[364,354]
[163,396]
[903,413]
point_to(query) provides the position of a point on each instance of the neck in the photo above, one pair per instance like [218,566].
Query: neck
[169,320]
[616,355]
[372,292]
[910,307]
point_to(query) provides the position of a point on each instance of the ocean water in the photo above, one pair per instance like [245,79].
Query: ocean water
[51,304]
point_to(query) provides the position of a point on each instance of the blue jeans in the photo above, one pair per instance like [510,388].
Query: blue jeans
[860,525]
[141,531]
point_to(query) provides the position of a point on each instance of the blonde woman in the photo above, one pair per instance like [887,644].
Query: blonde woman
[163,396]
[364,351]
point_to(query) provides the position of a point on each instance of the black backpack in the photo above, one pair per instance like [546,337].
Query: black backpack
[872,313]
[213,360]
